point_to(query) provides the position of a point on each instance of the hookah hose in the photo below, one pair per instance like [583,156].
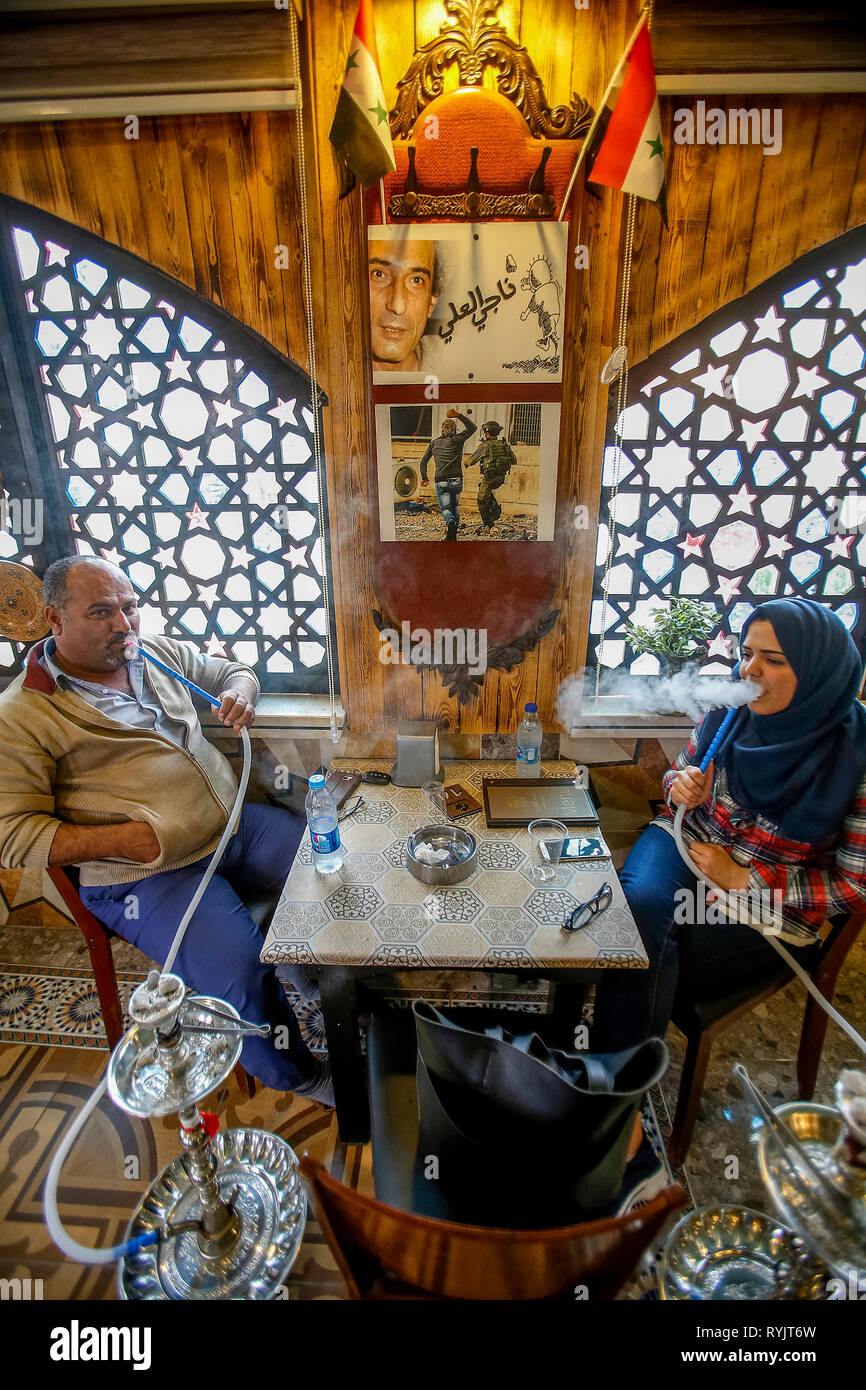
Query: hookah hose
[792,964]
[86,1254]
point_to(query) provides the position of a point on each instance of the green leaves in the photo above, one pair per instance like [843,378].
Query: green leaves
[678,630]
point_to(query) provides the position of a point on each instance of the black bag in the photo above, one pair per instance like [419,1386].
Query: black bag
[524,1135]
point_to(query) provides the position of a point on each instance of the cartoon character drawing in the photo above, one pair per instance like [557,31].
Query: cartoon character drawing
[545,302]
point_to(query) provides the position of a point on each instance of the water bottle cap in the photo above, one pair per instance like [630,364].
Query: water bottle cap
[317,780]
[533,709]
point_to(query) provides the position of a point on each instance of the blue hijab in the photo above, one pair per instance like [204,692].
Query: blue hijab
[801,767]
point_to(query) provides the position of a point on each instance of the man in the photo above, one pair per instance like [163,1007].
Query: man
[495,458]
[447,453]
[404,288]
[103,764]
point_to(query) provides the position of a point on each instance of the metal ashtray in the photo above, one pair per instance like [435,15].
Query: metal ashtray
[459,861]
[734,1253]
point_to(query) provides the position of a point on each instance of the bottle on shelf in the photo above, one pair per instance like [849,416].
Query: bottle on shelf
[321,812]
[529,744]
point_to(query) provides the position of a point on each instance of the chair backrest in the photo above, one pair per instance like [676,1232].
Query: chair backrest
[441,1259]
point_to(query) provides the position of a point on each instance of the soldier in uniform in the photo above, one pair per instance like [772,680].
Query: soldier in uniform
[447,454]
[496,459]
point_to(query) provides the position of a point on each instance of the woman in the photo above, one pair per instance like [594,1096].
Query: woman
[779,815]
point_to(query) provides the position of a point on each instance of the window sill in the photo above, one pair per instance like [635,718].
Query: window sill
[616,717]
[286,712]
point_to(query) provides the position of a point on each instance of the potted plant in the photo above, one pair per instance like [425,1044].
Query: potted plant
[676,633]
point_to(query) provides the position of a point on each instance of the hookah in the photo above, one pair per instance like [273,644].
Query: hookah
[223,1220]
[812,1158]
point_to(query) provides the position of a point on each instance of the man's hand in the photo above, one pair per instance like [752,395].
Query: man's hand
[139,841]
[452,414]
[692,787]
[425,482]
[236,708]
[719,867]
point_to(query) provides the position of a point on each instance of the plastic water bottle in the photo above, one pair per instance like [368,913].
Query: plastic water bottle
[529,744]
[321,812]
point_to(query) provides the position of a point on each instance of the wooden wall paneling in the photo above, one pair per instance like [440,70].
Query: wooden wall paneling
[840,130]
[600,35]
[650,237]
[584,407]
[856,212]
[547,31]
[395,39]
[517,688]
[211,139]
[736,183]
[342,350]
[279,214]
[782,199]
[250,192]
[158,170]
[682,247]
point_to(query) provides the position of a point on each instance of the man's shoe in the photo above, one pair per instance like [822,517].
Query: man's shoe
[644,1178]
[320,1087]
[451,533]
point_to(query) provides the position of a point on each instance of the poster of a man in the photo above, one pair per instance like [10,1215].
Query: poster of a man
[460,302]
[476,471]
[405,279]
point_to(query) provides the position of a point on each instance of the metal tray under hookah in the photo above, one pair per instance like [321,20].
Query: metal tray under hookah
[271,1203]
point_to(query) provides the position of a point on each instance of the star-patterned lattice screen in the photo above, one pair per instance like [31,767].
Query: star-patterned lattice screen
[742,465]
[169,439]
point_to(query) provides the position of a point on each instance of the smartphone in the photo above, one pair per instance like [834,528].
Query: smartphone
[583,847]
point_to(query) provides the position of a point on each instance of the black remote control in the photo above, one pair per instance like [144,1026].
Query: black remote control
[378,779]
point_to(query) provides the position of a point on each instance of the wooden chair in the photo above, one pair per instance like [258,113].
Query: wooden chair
[702,1019]
[98,938]
[385,1253]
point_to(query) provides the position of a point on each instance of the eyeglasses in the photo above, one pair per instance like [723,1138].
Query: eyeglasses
[584,912]
[350,807]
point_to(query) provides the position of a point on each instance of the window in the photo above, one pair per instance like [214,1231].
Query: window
[525,424]
[740,472]
[159,433]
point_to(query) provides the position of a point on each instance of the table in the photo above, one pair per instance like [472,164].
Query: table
[373,916]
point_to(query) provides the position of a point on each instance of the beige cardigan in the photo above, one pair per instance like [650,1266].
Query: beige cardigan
[61,760]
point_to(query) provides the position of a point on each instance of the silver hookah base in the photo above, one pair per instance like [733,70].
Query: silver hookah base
[272,1206]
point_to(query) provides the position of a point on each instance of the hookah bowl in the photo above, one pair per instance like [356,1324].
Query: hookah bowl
[229,1209]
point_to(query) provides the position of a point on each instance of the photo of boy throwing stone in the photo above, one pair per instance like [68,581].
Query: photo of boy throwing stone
[447,454]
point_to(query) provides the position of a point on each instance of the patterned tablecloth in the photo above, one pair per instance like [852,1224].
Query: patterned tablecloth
[373,912]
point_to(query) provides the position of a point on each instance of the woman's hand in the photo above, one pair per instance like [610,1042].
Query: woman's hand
[718,866]
[692,787]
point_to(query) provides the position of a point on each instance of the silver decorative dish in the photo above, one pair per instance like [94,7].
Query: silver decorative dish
[734,1253]
[455,848]
[262,1170]
[840,1241]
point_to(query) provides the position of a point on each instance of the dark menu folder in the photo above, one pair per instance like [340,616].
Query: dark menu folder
[517,801]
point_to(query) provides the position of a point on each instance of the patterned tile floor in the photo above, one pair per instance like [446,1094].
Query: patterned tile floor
[45,984]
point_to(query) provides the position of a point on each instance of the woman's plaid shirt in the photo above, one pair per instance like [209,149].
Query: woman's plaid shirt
[806,883]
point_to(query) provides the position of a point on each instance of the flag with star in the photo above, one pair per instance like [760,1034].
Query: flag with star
[626,150]
[360,132]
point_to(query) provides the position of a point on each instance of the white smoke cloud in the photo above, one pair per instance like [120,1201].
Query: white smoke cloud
[687,692]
